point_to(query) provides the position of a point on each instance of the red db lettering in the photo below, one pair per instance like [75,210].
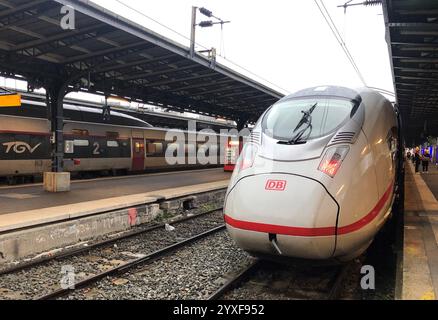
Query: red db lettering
[276,185]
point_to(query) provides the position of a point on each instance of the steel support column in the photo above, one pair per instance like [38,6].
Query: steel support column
[193,33]
[55,98]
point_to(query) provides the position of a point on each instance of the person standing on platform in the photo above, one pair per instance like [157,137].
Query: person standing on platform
[417,160]
[425,161]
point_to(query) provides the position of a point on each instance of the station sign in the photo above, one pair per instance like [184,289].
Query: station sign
[9,99]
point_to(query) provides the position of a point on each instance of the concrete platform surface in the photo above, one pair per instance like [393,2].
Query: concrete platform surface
[420,248]
[431,179]
[25,198]
[38,232]
[31,218]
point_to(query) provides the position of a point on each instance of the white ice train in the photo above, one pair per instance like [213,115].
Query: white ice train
[317,178]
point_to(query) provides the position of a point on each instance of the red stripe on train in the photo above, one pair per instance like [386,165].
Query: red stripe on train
[311,232]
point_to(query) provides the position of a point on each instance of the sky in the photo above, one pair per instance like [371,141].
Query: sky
[287,43]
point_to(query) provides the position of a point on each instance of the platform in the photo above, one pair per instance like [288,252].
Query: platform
[420,248]
[24,198]
[34,221]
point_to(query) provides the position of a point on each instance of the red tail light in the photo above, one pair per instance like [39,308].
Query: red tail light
[332,160]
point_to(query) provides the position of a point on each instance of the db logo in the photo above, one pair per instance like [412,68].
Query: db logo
[276,185]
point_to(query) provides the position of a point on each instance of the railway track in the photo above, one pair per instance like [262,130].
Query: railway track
[130,265]
[335,281]
[241,276]
[71,252]
[40,278]
[161,264]
[191,271]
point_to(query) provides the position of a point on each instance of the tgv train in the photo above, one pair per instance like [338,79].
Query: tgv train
[318,176]
[123,144]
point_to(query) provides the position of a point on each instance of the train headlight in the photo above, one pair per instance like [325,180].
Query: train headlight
[332,160]
[247,157]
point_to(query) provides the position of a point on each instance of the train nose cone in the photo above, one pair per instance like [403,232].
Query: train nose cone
[296,211]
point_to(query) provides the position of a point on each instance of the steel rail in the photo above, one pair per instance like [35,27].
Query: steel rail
[339,279]
[99,244]
[236,280]
[129,265]
[332,294]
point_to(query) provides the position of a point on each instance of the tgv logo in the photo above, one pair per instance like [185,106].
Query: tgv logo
[20,147]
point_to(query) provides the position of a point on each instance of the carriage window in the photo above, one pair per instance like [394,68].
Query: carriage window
[81,143]
[138,147]
[69,147]
[112,144]
[328,114]
[154,149]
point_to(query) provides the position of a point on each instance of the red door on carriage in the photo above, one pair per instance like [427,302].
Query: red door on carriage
[138,155]
[232,152]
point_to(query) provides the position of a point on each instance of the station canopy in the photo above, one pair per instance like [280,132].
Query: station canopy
[412,36]
[107,54]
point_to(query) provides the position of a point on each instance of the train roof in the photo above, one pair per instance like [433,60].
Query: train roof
[36,109]
[156,119]
[335,91]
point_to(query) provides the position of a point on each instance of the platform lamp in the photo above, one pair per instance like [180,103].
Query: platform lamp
[202,24]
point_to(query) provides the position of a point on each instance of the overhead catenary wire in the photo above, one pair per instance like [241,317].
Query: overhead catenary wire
[157,22]
[382,90]
[343,44]
[200,45]
[341,41]
[326,15]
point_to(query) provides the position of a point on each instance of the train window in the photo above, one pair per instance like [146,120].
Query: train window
[158,147]
[69,147]
[80,132]
[81,143]
[112,144]
[150,149]
[284,117]
[154,149]
[138,147]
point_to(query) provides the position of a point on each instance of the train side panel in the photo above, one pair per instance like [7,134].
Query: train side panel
[25,147]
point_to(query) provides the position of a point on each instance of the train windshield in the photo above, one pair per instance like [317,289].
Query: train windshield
[329,113]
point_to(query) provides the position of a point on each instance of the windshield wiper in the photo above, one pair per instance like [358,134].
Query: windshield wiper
[306,119]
